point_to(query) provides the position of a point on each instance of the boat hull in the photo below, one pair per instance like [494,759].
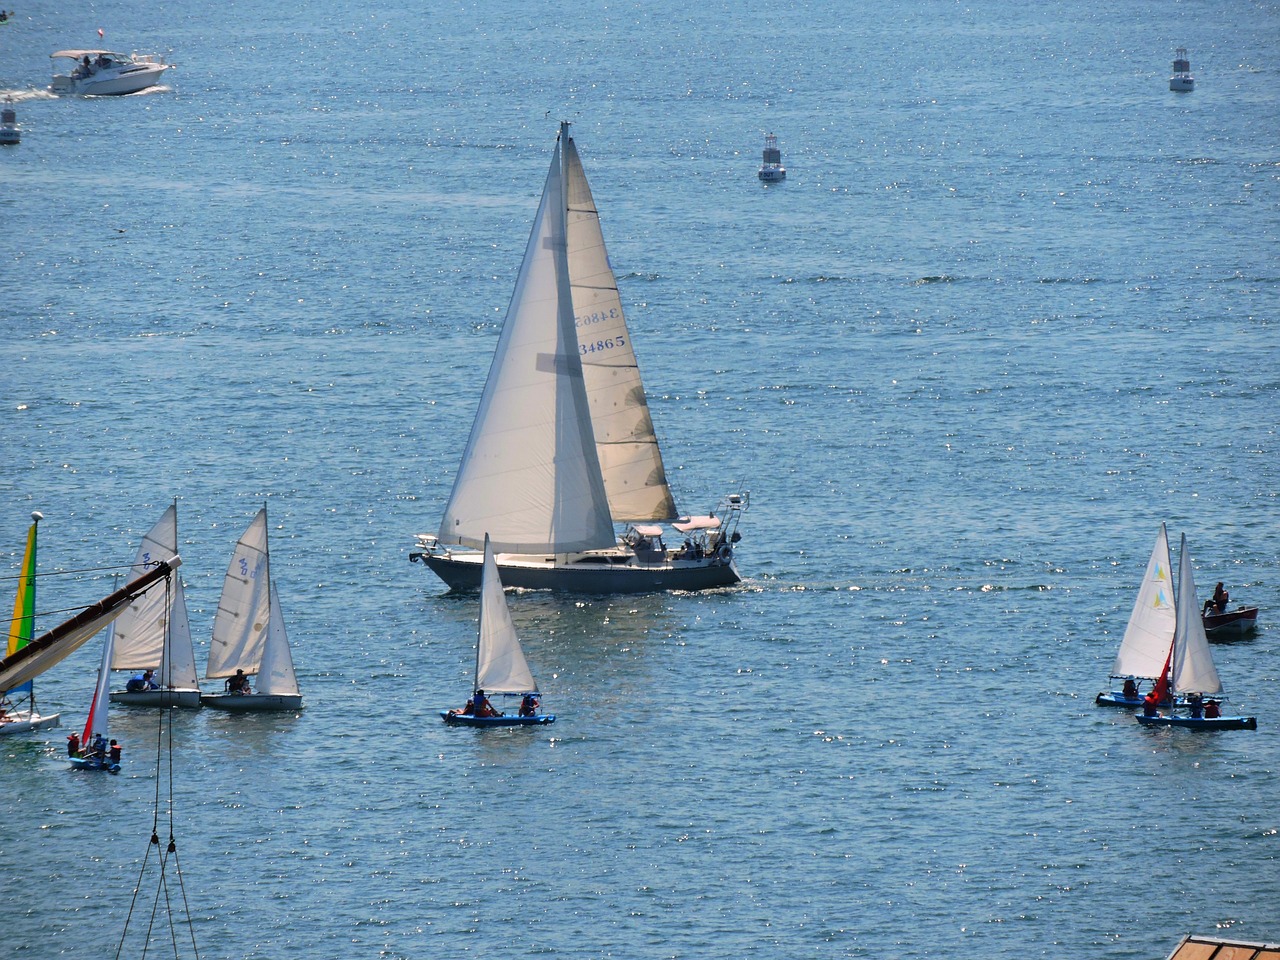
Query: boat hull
[1112,699]
[251,702]
[1201,723]
[463,720]
[604,575]
[1181,84]
[93,765]
[118,85]
[1231,625]
[25,724]
[188,699]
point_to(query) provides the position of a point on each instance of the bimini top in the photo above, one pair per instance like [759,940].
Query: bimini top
[79,54]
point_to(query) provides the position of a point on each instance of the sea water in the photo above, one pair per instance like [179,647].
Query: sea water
[1014,306]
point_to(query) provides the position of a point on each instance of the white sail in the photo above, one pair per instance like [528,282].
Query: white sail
[1149,635]
[500,663]
[240,625]
[1193,669]
[177,668]
[140,630]
[530,474]
[97,725]
[157,617]
[275,673]
[626,445]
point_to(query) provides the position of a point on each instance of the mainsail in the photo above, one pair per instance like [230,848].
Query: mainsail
[22,626]
[500,663]
[1193,669]
[240,625]
[626,445]
[1147,638]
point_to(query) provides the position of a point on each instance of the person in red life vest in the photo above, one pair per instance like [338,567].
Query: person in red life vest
[528,705]
[1149,704]
[114,752]
[483,707]
[73,745]
[1211,710]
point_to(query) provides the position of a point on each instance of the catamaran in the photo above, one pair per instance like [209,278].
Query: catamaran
[248,633]
[1149,634]
[154,634]
[1195,684]
[501,667]
[19,714]
[562,447]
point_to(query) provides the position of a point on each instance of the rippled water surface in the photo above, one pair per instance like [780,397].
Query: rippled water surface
[1015,305]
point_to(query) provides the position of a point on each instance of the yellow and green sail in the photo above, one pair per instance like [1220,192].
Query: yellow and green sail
[21,628]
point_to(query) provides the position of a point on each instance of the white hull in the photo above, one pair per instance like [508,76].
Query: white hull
[772,174]
[189,699]
[251,702]
[1182,84]
[28,723]
[120,85]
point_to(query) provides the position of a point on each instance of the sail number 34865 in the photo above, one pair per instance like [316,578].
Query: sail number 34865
[597,346]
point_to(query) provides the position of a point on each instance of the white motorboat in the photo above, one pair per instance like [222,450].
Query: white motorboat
[1182,79]
[103,73]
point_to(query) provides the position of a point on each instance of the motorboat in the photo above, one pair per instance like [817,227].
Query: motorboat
[104,73]
[1182,80]
[1230,624]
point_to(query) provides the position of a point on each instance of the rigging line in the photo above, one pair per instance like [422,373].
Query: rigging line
[64,573]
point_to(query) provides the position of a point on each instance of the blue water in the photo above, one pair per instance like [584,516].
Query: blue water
[1015,305]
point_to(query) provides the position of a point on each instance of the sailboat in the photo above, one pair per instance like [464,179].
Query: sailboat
[248,633]
[1195,682]
[154,634]
[28,661]
[501,668]
[562,447]
[1149,634]
[94,754]
[20,714]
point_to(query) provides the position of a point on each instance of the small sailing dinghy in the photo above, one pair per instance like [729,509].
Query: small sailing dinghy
[154,634]
[1193,678]
[19,714]
[501,668]
[96,753]
[1149,634]
[249,638]
[562,447]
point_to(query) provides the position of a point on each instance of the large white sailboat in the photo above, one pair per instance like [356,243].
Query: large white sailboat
[249,638]
[154,634]
[562,448]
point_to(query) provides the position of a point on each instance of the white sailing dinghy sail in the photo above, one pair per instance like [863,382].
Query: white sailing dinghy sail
[563,447]
[501,667]
[248,633]
[1149,634]
[154,634]
[1195,684]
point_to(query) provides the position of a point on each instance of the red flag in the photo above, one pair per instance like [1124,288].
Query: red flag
[1161,689]
[100,33]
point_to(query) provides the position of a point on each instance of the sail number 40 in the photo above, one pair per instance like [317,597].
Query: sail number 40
[599,345]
